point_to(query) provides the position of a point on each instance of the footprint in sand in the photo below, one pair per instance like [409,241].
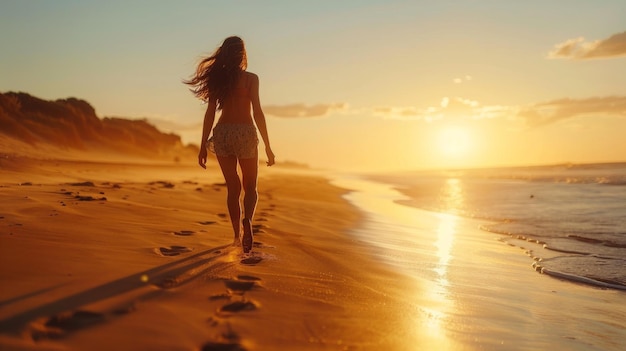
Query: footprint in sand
[228,341]
[184,232]
[260,245]
[248,277]
[213,321]
[259,228]
[241,284]
[219,346]
[163,184]
[82,184]
[238,286]
[173,250]
[124,310]
[252,260]
[238,306]
[89,198]
[168,283]
[207,222]
[59,325]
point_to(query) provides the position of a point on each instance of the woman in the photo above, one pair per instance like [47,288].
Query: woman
[222,80]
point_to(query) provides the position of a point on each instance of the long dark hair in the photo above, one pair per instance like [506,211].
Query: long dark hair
[216,76]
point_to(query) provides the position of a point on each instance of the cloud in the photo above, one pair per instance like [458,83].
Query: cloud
[302,110]
[534,115]
[552,111]
[388,111]
[461,80]
[579,49]
[456,107]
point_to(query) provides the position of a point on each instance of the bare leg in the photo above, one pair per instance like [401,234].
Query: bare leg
[233,185]
[249,170]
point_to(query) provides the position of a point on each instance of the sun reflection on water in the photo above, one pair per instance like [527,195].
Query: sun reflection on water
[420,244]
[445,240]
[451,198]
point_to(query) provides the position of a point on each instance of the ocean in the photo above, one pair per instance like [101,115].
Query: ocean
[570,219]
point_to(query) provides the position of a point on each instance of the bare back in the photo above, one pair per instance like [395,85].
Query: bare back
[237,108]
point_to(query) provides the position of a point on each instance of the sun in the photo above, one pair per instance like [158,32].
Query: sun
[454,141]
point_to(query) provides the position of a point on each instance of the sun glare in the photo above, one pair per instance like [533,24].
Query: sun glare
[454,141]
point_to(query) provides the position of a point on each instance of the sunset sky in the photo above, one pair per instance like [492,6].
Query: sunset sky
[354,85]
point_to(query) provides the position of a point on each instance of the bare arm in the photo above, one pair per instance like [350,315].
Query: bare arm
[259,118]
[209,119]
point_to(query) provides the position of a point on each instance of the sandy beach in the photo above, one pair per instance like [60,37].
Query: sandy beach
[124,256]
[132,256]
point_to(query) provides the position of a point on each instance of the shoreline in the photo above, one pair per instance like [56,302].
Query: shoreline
[543,249]
[469,271]
[530,246]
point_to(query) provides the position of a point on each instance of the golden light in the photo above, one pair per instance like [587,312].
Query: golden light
[454,141]
[438,313]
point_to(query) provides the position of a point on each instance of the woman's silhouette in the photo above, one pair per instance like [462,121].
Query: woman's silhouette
[223,82]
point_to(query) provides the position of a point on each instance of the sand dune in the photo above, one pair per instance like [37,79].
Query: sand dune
[73,124]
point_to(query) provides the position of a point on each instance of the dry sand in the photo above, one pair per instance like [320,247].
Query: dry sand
[103,256]
[128,256]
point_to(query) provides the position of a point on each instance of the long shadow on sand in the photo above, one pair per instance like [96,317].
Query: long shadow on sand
[165,276]
[29,295]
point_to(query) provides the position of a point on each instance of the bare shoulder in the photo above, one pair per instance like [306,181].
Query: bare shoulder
[252,76]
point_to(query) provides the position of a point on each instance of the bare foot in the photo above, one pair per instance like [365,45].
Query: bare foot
[237,241]
[247,239]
